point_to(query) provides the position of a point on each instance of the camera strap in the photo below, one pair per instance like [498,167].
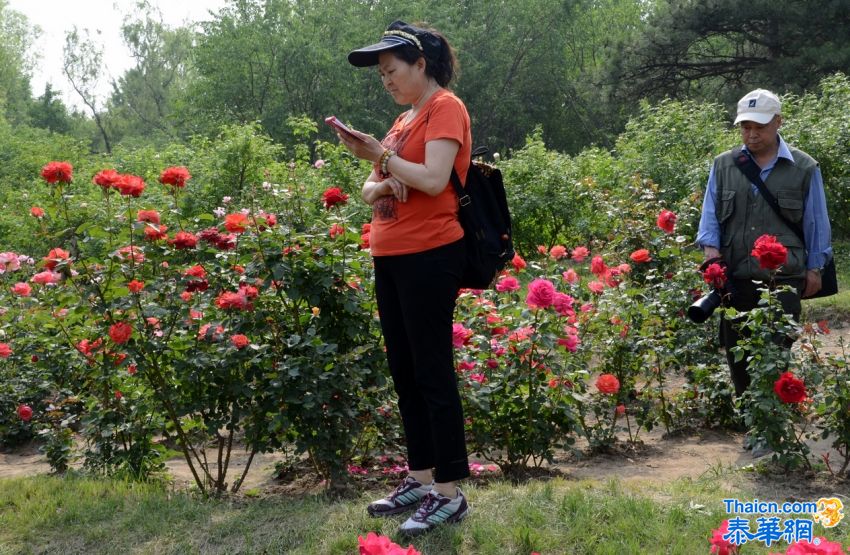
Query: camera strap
[749,168]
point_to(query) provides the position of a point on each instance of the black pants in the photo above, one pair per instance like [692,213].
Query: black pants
[746,297]
[416,300]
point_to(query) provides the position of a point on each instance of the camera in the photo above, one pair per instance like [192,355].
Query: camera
[705,307]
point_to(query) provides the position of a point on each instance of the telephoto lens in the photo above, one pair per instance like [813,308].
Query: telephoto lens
[704,307]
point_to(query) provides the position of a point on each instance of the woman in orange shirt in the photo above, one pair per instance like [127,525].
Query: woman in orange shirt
[417,245]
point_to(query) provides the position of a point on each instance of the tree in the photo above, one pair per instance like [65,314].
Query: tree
[16,63]
[143,100]
[49,112]
[82,65]
[720,48]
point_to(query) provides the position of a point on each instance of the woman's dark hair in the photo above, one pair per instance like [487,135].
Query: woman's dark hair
[441,65]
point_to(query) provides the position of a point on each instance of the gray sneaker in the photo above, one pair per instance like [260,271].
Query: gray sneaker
[435,509]
[404,498]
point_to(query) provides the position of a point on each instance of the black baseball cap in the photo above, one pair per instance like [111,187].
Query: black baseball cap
[398,34]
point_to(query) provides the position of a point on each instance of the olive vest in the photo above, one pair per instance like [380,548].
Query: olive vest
[744,216]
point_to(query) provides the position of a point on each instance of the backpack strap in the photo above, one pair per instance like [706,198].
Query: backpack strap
[749,168]
[462,198]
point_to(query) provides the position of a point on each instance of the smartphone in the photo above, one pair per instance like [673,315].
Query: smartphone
[336,124]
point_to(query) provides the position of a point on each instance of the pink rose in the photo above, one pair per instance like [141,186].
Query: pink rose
[571,276]
[596,287]
[563,304]
[558,252]
[460,335]
[580,253]
[541,293]
[508,283]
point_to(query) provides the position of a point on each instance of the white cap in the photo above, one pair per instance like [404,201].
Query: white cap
[759,106]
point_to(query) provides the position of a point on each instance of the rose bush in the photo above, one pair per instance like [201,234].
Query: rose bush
[235,307]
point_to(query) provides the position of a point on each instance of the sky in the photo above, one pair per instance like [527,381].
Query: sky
[103,19]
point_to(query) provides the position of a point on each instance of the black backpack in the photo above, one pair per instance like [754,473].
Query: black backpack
[486,221]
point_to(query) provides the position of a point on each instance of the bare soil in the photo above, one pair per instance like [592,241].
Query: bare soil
[657,459]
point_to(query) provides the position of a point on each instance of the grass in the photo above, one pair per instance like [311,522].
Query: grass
[46,514]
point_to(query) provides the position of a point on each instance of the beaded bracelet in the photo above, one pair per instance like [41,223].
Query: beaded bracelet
[384,161]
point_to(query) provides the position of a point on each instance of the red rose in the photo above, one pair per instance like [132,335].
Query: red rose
[22,289]
[226,242]
[132,369]
[37,212]
[336,230]
[232,300]
[790,388]
[770,253]
[333,196]
[365,241]
[240,341]
[175,175]
[666,220]
[118,395]
[249,291]
[183,240]
[150,216]
[57,171]
[132,253]
[197,285]
[5,350]
[130,185]
[640,256]
[518,263]
[120,332]
[597,266]
[106,178]
[196,271]
[608,384]
[135,286]
[54,257]
[236,222]
[155,232]
[25,412]
[715,275]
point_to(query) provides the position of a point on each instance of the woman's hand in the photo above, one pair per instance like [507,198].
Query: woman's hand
[373,190]
[396,188]
[365,147]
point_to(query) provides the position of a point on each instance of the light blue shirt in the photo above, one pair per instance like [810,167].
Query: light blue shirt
[816,228]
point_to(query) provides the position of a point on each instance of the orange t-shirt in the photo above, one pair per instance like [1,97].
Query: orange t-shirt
[423,222]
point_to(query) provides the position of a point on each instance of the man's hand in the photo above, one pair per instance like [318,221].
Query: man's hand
[813,283]
[711,252]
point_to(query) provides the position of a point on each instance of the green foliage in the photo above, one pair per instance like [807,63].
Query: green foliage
[673,143]
[548,195]
[818,123]
[232,165]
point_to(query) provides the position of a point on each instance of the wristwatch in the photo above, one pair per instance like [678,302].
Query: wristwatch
[818,270]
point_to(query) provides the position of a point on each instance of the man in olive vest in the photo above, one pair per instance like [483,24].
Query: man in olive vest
[735,214]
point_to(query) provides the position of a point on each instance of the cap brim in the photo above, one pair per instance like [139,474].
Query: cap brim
[368,55]
[758,117]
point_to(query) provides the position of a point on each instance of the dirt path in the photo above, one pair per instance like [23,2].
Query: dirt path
[658,459]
